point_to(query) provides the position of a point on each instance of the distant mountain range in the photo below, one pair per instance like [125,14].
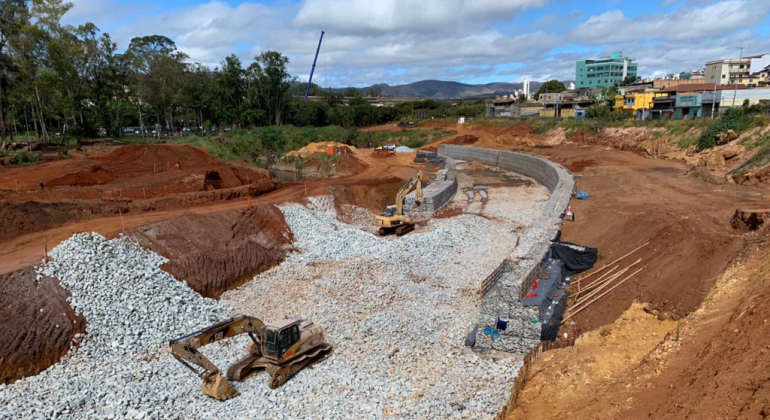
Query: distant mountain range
[437,89]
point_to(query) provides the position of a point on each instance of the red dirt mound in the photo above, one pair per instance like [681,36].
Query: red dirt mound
[520,129]
[217,252]
[464,140]
[140,159]
[128,179]
[96,175]
[37,326]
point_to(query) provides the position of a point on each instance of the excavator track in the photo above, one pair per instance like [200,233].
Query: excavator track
[404,229]
[252,363]
[287,371]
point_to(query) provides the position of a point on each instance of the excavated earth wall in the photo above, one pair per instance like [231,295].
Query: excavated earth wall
[38,324]
[504,295]
[217,252]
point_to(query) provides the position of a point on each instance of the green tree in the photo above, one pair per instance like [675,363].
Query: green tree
[274,83]
[158,71]
[230,91]
[522,98]
[14,16]
[551,86]
[630,80]
[351,92]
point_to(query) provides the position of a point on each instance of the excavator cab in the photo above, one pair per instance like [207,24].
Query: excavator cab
[279,340]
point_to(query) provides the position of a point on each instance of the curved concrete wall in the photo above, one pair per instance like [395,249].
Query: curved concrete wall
[504,297]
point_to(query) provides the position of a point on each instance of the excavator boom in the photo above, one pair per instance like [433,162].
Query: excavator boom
[393,219]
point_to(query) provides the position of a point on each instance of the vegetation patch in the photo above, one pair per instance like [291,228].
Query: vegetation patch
[22,158]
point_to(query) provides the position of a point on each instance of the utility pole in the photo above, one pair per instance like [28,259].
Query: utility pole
[735,86]
[714,101]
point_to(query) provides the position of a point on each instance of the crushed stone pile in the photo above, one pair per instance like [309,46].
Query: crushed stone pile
[129,302]
[396,309]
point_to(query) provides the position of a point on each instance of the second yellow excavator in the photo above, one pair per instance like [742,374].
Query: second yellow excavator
[282,349]
[393,219]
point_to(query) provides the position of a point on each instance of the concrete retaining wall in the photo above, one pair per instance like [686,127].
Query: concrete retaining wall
[503,299]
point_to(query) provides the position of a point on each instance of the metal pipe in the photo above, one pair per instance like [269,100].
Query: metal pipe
[312,70]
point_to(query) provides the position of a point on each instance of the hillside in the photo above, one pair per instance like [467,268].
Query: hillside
[438,89]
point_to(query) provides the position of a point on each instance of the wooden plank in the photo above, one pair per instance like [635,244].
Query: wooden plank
[607,265]
[602,295]
[605,283]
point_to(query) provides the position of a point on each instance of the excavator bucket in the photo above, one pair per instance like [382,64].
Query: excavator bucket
[218,387]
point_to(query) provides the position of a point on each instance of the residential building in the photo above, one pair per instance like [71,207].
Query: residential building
[634,103]
[551,97]
[760,78]
[721,72]
[687,107]
[502,107]
[687,101]
[730,71]
[604,71]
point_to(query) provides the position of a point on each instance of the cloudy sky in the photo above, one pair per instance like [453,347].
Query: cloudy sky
[472,41]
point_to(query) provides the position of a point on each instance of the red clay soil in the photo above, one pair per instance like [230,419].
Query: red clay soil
[635,200]
[129,179]
[38,324]
[217,252]
[374,197]
[28,248]
[722,370]
[464,140]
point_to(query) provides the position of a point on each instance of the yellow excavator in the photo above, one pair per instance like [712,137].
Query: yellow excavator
[393,219]
[282,349]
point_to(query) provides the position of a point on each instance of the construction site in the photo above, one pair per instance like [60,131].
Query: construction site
[499,272]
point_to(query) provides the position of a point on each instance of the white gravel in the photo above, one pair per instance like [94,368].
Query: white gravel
[396,310]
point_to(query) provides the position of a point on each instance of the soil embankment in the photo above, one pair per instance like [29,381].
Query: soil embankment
[635,200]
[128,179]
[38,324]
[713,364]
[217,252]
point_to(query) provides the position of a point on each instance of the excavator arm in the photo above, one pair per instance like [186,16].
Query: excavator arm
[185,350]
[415,181]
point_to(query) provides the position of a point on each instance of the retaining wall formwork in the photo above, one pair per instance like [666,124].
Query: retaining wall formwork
[503,297]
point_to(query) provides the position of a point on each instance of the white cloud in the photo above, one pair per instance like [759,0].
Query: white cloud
[710,21]
[102,12]
[412,16]
[400,41]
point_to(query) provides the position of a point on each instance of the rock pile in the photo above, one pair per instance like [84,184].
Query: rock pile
[129,302]
[396,310]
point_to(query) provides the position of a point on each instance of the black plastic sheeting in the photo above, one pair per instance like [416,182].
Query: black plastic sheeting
[576,258]
[563,261]
[550,326]
[547,285]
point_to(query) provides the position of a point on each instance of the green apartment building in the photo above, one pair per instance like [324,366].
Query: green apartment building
[604,71]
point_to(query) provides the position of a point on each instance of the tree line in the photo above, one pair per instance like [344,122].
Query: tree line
[60,80]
